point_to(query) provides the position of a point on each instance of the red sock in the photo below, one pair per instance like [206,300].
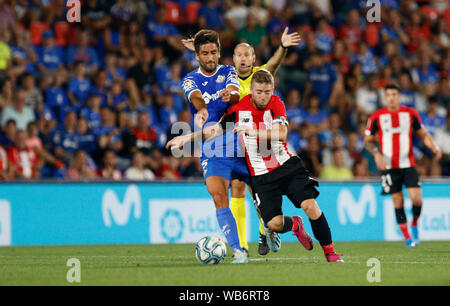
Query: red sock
[329,248]
[414,221]
[404,229]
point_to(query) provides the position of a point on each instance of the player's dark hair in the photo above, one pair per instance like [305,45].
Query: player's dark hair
[262,76]
[204,37]
[392,86]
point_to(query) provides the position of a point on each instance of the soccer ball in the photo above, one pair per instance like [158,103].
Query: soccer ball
[210,250]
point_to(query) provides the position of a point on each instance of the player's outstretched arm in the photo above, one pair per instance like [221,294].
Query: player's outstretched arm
[278,132]
[287,40]
[429,142]
[207,133]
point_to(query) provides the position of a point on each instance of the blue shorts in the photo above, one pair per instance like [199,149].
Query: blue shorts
[229,168]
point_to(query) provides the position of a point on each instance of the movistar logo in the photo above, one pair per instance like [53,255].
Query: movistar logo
[350,209]
[120,212]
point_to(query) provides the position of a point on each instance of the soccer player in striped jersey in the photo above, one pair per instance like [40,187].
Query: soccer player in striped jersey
[244,59]
[261,123]
[392,127]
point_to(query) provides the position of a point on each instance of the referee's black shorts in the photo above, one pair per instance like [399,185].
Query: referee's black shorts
[392,180]
[291,179]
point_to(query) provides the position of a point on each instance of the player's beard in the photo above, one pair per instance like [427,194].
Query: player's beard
[207,66]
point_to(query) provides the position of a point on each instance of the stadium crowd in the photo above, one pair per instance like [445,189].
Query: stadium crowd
[98,98]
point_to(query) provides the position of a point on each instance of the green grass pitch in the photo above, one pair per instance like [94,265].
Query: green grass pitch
[175,265]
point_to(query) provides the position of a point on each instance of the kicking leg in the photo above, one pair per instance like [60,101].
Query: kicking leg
[218,188]
[320,228]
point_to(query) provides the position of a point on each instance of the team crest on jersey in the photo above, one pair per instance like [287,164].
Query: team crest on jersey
[220,79]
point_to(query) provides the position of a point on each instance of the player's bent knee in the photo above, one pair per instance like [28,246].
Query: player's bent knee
[311,209]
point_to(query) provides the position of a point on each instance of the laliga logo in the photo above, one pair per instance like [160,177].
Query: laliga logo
[347,206]
[172,225]
[120,212]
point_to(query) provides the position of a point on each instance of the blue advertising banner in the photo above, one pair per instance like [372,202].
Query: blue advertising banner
[120,213]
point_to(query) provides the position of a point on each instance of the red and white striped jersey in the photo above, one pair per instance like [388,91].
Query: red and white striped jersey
[395,135]
[262,156]
[25,160]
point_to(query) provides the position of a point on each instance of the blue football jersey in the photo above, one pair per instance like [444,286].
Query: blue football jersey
[210,86]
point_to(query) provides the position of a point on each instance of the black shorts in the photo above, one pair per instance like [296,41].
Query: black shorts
[392,180]
[291,179]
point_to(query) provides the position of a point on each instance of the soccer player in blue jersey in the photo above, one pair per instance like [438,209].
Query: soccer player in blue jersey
[210,90]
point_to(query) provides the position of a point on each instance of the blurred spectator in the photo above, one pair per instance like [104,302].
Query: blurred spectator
[6,93]
[118,99]
[79,168]
[19,112]
[8,133]
[143,73]
[236,15]
[368,98]
[311,156]
[366,58]
[350,32]
[333,127]
[33,93]
[408,96]
[294,111]
[108,135]
[431,119]
[254,34]
[164,36]
[322,78]
[5,51]
[85,137]
[79,86]
[209,16]
[337,170]
[95,14]
[442,139]
[55,95]
[314,114]
[23,161]
[109,169]
[7,18]
[65,139]
[137,171]
[83,52]
[141,137]
[324,36]
[91,112]
[50,56]
[337,143]
[360,169]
